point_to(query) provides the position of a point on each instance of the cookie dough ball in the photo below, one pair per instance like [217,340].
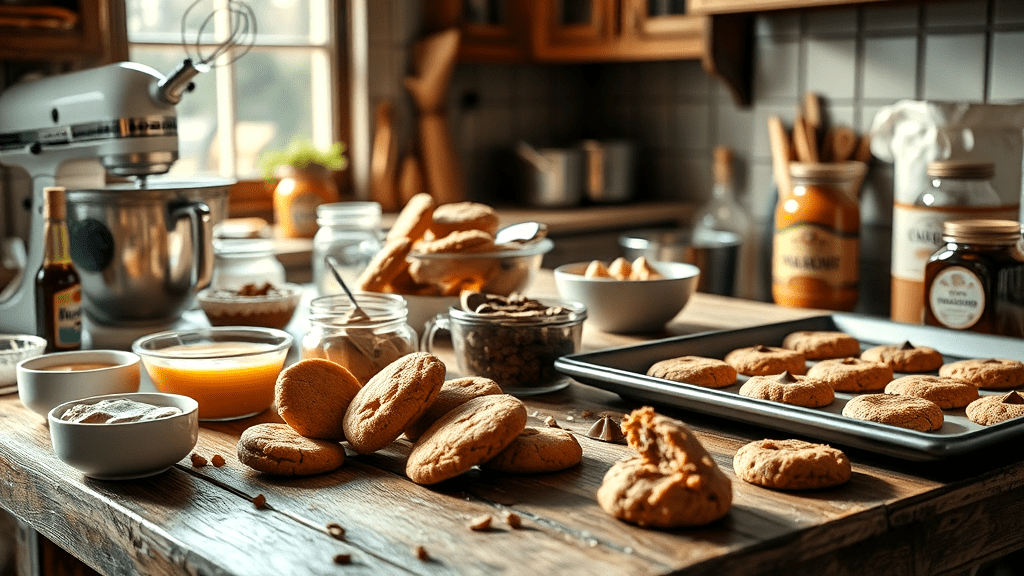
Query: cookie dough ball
[697,370]
[946,392]
[852,374]
[312,396]
[903,411]
[822,344]
[905,357]
[763,360]
[987,373]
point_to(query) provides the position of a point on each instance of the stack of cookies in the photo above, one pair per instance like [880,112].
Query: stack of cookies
[454,424]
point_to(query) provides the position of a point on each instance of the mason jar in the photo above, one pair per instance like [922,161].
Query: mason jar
[363,345]
[350,232]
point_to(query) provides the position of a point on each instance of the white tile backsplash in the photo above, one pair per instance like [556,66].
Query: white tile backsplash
[956,14]
[890,67]
[777,69]
[898,18]
[831,67]
[832,22]
[778,24]
[1006,83]
[1008,12]
[689,127]
[954,67]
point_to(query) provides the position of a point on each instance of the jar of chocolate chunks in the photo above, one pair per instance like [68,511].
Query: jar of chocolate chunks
[976,280]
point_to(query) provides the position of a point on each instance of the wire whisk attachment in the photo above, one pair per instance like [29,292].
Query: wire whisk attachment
[241,32]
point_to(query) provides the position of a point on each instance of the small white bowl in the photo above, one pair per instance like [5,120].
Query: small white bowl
[41,387]
[629,306]
[14,349]
[126,450]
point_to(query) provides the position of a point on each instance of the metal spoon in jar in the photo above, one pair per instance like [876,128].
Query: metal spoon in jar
[357,314]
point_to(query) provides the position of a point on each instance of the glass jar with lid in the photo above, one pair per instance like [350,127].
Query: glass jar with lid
[363,345]
[238,262]
[350,232]
[976,280]
[956,190]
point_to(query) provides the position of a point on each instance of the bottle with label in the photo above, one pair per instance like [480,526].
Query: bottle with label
[58,289]
[723,214]
[975,281]
[296,197]
[957,190]
[815,253]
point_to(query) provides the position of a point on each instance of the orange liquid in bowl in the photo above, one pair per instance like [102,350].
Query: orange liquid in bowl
[225,388]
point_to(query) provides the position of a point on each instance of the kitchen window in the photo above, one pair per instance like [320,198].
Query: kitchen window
[289,84]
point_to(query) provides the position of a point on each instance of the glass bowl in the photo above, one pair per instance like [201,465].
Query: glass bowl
[229,371]
[272,310]
[499,272]
[13,349]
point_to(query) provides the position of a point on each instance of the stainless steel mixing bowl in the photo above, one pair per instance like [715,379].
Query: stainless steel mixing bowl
[143,253]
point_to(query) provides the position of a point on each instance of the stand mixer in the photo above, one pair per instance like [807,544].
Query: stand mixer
[121,116]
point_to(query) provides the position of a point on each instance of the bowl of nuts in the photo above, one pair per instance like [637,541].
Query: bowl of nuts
[263,305]
[512,340]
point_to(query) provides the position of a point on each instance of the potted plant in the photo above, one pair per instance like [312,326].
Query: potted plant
[304,182]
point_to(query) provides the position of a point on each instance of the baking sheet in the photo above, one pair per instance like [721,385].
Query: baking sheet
[623,371]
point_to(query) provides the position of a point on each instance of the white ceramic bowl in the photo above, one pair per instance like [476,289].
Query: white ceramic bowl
[629,306]
[425,308]
[14,349]
[130,449]
[41,387]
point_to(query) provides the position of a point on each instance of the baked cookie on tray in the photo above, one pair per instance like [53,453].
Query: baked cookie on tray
[903,411]
[944,391]
[905,357]
[673,482]
[987,373]
[538,450]
[996,408]
[761,360]
[697,370]
[789,389]
[791,465]
[822,344]
[278,449]
[852,374]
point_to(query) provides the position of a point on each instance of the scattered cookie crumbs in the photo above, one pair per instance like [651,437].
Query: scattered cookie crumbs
[513,520]
[336,531]
[551,422]
[260,501]
[570,418]
[421,553]
[197,460]
[536,414]
[343,559]
[480,523]
[218,460]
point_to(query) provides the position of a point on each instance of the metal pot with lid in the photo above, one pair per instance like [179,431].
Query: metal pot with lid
[144,252]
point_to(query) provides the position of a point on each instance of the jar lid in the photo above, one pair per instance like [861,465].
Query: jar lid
[347,212]
[827,171]
[961,169]
[999,232]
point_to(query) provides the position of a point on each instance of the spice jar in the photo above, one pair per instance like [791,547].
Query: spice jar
[363,345]
[351,233]
[956,190]
[976,281]
[817,228]
[296,197]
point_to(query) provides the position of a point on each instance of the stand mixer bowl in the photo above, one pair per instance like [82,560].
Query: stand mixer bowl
[143,253]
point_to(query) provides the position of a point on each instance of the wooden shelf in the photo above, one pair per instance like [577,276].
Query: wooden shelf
[91,35]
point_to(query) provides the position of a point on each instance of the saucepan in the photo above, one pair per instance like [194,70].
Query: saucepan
[552,177]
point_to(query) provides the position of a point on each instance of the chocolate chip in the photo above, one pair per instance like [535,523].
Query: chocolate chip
[906,345]
[260,501]
[336,531]
[607,430]
[785,378]
[1012,398]
[343,559]
[480,523]
[197,460]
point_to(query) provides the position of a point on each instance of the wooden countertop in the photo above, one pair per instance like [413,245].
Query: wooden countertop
[893,517]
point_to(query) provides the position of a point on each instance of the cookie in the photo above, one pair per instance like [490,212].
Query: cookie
[988,373]
[278,449]
[791,465]
[789,389]
[469,435]
[673,482]
[821,344]
[454,393]
[394,398]
[597,269]
[763,360]
[852,374]
[903,411]
[384,266]
[996,408]
[414,219]
[461,216]
[538,450]
[312,395]
[944,391]
[472,241]
[905,357]
[620,268]
[697,370]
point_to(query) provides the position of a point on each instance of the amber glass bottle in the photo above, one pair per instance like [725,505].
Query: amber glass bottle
[975,281]
[296,197]
[817,230]
[58,288]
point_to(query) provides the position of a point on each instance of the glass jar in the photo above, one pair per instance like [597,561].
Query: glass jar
[238,262]
[956,190]
[296,197]
[363,346]
[815,260]
[351,232]
[976,281]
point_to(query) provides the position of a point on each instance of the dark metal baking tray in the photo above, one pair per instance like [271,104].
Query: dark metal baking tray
[623,371]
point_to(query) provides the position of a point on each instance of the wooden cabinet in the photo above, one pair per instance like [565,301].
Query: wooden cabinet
[562,31]
[82,32]
[734,6]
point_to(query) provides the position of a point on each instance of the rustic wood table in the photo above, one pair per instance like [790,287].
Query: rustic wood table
[893,517]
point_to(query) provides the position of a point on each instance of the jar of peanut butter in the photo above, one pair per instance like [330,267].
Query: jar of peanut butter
[815,254]
[363,344]
[975,281]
